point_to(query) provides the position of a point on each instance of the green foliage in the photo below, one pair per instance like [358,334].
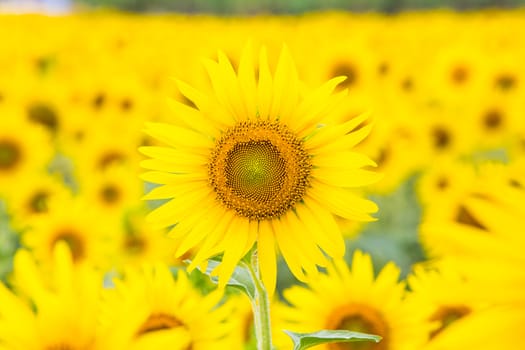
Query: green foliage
[394,236]
[307,340]
[241,278]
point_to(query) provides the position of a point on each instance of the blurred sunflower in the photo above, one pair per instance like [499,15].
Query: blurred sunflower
[443,296]
[34,193]
[93,148]
[141,243]
[485,217]
[352,299]
[21,153]
[259,161]
[493,328]
[77,224]
[112,192]
[495,120]
[150,309]
[54,311]
[444,181]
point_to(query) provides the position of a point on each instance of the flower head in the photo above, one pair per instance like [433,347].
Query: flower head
[259,160]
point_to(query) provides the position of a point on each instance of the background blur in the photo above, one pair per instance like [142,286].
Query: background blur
[445,83]
[250,7]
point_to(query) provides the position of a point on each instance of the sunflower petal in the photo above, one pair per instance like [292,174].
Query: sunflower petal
[247,82]
[177,136]
[342,160]
[342,202]
[267,259]
[323,226]
[286,88]
[287,248]
[346,178]
[265,87]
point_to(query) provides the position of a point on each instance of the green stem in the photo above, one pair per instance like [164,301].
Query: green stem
[260,307]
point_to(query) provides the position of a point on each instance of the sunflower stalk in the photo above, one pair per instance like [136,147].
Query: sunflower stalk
[260,306]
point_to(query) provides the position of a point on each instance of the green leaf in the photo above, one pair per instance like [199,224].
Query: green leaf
[240,279]
[307,340]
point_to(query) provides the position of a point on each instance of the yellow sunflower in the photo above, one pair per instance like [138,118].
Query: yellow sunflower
[51,311]
[445,180]
[259,160]
[113,192]
[24,148]
[353,299]
[486,216]
[93,148]
[34,192]
[494,328]
[141,243]
[150,309]
[76,223]
[444,296]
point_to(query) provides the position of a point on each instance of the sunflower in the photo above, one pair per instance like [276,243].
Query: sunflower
[457,72]
[141,243]
[444,297]
[76,223]
[94,149]
[24,148]
[485,216]
[445,180]
[150,309]
[443,132]
[34,193]
[43,103]
[258,161]
[352,299]
[495,120]
[494,328]
[113,192]
[51,311]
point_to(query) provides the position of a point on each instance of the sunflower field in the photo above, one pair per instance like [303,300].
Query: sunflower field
[374,163]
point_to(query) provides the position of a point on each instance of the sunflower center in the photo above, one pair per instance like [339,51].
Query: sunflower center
[259,169]
[134,244]
[159,322]
[255,170]
[505,82]
[44,115]
[460,75]
[492,119]
[442,183]
[9,154]
[407,84]
[448,315]
[348,70]
[441,137]
[359,318]
[75,243]
[38,202]
[383,68]
[110,158]
[110,194]
[465,217]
